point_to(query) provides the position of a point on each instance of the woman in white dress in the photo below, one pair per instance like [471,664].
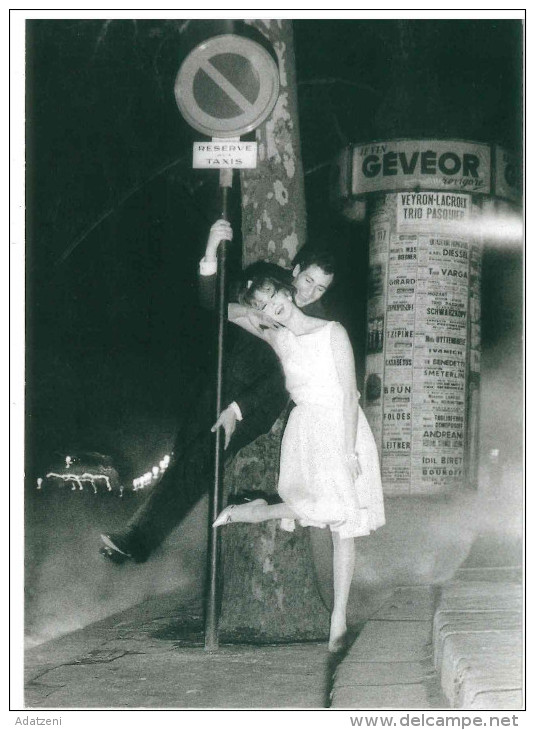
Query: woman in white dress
[329,469]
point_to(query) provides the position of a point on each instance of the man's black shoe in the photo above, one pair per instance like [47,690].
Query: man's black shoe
[115,548]
[115,541]
[113,556]
[121,546]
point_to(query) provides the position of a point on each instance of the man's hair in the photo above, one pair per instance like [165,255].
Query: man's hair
[264,276]
[314,256]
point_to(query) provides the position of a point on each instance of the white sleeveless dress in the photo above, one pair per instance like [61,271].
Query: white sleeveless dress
[315,479]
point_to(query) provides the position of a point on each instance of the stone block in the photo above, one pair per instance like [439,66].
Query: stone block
[502,700]
[480,596]
[500,574]
[462,622]
[475,663]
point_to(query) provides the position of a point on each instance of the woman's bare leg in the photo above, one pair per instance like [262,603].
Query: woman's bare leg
[343,569]
[260,511]
[274,512]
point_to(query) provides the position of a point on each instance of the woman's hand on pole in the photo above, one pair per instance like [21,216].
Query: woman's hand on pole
[220,231]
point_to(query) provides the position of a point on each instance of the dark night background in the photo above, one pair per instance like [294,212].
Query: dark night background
[117,219]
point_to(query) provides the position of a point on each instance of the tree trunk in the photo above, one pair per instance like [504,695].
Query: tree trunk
[273,195]
[270,591]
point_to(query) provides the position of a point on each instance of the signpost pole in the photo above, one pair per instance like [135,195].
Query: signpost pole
[245,73]
[213,598]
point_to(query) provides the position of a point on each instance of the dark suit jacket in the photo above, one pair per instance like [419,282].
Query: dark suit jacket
[253,376]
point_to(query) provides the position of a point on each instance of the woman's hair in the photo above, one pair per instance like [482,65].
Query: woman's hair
[264,276]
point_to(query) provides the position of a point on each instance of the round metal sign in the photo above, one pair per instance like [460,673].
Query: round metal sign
[227,86]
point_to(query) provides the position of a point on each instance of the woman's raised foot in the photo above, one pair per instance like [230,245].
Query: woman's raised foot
[248,512]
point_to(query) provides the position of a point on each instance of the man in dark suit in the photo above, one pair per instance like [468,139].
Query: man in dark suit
[253,388]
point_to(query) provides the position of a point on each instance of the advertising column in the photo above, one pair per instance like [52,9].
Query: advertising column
[423,339]
[423,346]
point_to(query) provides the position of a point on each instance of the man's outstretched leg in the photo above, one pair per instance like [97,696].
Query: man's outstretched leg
[187,479]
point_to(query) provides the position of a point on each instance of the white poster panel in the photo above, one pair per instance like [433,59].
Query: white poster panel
[427,211]
[415,164]
[224,154]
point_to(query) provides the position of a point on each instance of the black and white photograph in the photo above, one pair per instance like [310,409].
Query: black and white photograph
[267,365]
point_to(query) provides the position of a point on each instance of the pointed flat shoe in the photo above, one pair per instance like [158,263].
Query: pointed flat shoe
[225,517]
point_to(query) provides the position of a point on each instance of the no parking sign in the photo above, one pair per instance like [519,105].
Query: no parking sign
[227,86]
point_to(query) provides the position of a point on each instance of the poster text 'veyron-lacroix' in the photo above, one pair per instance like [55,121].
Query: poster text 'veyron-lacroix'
[424,163]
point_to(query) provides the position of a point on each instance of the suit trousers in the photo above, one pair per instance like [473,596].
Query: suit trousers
[188,478]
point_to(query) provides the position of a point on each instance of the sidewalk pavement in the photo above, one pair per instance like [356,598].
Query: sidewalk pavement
[390,665]
[455,646]
[153,656]
[425,647]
